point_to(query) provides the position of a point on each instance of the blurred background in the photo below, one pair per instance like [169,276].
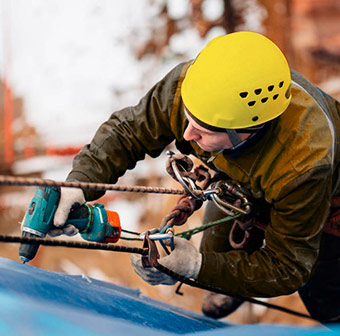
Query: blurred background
[66,65]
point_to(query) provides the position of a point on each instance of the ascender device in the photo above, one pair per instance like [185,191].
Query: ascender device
[94,223]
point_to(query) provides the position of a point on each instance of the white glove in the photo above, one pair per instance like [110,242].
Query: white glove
[184,260]
[68,196]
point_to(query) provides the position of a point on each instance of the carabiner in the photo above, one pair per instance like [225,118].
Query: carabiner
[231,189]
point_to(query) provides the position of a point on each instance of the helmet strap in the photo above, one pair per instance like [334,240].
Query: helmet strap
[233,134]
[234,137]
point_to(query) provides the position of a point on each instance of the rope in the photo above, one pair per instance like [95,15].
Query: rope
[187,234]
[196,284]
[143,251]
[131,232]
[73,244]
[184,234]
[24,181]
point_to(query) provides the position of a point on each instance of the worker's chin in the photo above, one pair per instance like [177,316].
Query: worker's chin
[208,148]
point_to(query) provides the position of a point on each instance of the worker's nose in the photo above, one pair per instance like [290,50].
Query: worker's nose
[190,134]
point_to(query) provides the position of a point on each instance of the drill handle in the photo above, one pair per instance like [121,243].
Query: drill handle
[81,216]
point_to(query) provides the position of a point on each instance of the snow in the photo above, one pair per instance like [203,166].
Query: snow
[52,167]
[253,15]
[331,86]
[129,213]
[178,9]
[73,60]
[74,63]
[212,9]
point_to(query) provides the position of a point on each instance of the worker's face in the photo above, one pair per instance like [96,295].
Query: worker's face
[208,140]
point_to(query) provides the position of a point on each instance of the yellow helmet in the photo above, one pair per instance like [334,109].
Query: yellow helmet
[238,80]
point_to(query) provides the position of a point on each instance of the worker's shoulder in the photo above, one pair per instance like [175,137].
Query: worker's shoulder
[178,72]
[308,120]
[301,87]
[305,133]
[170,85]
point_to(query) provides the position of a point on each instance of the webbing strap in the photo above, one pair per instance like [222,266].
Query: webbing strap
[332,224]
[234,137]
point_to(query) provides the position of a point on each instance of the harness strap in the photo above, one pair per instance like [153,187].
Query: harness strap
[332,225]
[238,227]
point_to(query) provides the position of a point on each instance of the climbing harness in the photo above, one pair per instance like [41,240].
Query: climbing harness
[226,195]
[223,193]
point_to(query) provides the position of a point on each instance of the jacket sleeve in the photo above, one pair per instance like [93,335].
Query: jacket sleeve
[129,134]
[292,242]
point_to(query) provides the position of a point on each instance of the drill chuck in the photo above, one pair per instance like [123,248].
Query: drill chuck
[28,251]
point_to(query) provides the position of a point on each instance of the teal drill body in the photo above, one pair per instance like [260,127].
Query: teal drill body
[93,221]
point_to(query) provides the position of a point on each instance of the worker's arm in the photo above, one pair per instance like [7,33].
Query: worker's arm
[281,267]
[131,133]
[292,243]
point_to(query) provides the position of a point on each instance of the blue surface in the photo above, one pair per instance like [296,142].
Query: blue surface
[37,302]
[31,291]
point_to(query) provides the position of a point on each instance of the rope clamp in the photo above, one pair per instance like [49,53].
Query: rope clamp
[154,234]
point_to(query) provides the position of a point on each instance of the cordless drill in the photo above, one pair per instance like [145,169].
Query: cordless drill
[94,223]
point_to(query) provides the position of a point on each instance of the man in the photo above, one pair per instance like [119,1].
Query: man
[240,110]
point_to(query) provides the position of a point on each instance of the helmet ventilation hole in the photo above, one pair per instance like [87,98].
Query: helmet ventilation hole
[252,103]
[270,88]
[243,94]
[287,94]
[263,100]
[275,97]
[281,84]
[256,118]
[258,91]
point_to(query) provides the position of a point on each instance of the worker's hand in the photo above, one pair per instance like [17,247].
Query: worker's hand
[184,260]
[68,197]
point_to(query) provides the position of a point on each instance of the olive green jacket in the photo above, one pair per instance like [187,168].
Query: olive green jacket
[293,167]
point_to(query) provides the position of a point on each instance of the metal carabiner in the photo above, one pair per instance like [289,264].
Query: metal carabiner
[189,184]
[186,182]
[231,189]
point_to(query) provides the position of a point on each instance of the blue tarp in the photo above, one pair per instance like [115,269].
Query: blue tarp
[38,302]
